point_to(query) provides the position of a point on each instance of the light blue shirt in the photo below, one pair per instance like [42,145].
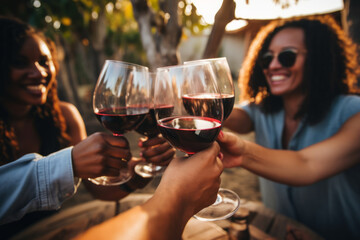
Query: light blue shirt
[34,183]
[331,207]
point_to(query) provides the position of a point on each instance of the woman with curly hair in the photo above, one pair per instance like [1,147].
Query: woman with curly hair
[298,87]
[32,118]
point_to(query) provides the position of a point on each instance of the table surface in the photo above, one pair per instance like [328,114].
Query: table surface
[263,223]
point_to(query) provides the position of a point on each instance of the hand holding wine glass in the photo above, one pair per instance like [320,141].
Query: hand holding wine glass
[195,121]
[149,129]
[120,103]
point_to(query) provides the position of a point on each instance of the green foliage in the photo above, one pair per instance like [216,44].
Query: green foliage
[190,19]
[86,22]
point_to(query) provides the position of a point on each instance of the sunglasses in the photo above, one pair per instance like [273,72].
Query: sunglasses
[286,58]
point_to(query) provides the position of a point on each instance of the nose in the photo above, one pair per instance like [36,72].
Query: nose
[38,71]
[275,63]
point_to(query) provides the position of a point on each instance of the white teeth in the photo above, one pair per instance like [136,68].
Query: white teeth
[36,88]
[277,78]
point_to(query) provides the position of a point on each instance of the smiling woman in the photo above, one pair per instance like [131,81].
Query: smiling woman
[32,73]
[32,118]
[298,86]
[30,109]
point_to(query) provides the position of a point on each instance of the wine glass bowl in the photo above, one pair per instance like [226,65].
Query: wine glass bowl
[193,125]
[120,103]
[149,129]
[195,121]
[225,82]
[190,134]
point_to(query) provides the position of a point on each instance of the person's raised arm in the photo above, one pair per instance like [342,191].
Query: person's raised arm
[187,186]
[307,166]
[35,182]
[239,121]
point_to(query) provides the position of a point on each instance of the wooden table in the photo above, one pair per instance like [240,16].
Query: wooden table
[263,223]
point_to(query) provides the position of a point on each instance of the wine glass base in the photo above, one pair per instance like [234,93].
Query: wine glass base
[147,170]
[226,204]
[112,181]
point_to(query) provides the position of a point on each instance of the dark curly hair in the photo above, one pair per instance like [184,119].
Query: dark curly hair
[331,66]
[49,120]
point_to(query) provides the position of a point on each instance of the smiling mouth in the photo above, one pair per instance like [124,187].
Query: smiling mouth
[277,78]
[36,89]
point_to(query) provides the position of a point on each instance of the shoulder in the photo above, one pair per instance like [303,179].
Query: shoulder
[347,104]
[348,100]
[344,107]
[70,112]
[74,121]
[68,109]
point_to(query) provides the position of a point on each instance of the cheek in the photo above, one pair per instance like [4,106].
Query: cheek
[15,76]
[13,81]
[300,73]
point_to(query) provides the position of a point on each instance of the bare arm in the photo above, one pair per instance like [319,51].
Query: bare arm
[303,167]
[181,193]
[239,121]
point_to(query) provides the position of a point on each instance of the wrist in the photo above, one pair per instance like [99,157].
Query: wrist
[167,207]
[248,150]
[175,202]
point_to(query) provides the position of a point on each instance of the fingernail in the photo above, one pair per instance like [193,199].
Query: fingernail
[221,155]
[140,144]
[140,154]
[221,134]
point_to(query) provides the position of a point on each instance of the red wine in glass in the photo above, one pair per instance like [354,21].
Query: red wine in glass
[149,127]
[190,134]
[197,104]
[121,101]
[194,89]
[121,120]
[225,83]
[228,103]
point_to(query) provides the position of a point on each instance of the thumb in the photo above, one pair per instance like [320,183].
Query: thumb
[226,137]
[220,137]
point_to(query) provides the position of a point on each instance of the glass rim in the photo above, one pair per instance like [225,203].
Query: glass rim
[126,63]
[182,65]
[205,60]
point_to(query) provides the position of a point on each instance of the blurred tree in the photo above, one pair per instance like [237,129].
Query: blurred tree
[146,32]
[161,28]
[91,31]
[87,32]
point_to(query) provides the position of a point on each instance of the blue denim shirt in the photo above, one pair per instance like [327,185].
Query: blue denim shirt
[331,207]
[34,183]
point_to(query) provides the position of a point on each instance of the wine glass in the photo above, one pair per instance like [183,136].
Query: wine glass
[149,129]
[120,103]
[225,82]
[195,121]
